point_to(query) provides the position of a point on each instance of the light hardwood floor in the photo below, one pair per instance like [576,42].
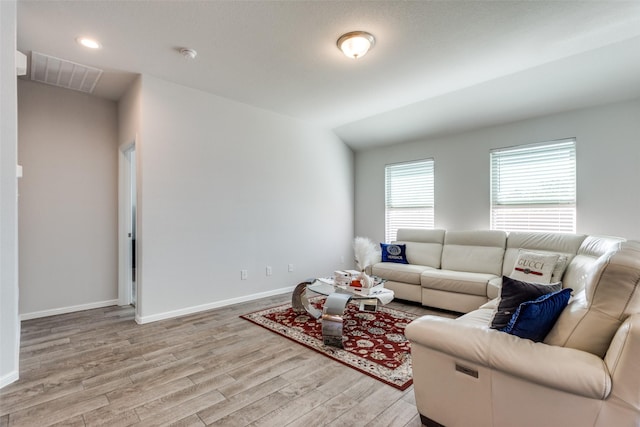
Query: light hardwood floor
[98,367]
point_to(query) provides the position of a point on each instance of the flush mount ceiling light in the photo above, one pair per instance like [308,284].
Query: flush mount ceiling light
[356,44]
[88,42]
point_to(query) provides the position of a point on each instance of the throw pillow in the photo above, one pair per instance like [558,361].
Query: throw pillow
[394,253]
[534,319]
[515,292]
[561,266]
[534,266]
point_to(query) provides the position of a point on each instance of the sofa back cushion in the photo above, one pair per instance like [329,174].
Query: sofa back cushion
[565,245]
[592,248]
[611,294]
[479,251]
[424,247]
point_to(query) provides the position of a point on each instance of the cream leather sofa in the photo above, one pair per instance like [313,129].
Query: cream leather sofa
[461,270]
[585,373]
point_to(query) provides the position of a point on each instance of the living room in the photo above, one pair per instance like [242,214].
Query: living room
[225,186]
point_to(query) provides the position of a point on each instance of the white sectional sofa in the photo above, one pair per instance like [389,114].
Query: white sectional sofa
[462,270]
[584,372]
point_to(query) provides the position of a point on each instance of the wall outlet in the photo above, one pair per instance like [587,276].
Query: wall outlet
[243,274]
[290,268]
[269,270]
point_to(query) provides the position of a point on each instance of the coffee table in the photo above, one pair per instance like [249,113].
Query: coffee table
[333,310]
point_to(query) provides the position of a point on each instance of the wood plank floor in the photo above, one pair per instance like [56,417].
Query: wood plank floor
[98,367]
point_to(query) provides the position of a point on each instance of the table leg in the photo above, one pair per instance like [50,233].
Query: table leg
[300,302]
[332,318]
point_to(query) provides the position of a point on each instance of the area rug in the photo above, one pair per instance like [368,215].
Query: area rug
[374,343]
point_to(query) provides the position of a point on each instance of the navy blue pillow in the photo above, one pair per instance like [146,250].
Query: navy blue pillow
[534,319]
[515,292]
[394,253]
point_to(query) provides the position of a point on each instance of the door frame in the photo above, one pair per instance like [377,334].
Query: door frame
[125,207]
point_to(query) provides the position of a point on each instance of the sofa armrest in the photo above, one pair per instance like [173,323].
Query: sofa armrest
[561,368]
[623,362]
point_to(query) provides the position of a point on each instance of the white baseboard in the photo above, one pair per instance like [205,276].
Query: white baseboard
[160,316]
[9,378]
[209,306]
[71,309]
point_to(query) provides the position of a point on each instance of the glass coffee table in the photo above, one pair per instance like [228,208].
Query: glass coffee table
[334,307]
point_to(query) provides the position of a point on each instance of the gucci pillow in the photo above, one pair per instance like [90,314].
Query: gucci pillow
[394,253]
[534,267]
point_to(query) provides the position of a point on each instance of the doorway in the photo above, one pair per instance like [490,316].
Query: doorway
[127,228]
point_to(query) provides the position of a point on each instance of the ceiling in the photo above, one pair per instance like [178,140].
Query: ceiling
[437,66]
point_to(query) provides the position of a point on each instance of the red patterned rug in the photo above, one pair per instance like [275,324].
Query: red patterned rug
[374,343]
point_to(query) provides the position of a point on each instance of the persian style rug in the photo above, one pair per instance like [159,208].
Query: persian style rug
[374,343]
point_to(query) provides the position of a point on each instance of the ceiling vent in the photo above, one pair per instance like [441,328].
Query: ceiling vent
[63,73]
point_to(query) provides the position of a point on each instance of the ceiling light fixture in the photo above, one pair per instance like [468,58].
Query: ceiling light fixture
[356,44]
[188,53]
[89,43]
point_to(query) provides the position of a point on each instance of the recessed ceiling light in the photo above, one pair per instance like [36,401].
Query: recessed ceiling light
[88,42]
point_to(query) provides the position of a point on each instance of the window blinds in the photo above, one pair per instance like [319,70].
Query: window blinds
[533,187]
[409,196]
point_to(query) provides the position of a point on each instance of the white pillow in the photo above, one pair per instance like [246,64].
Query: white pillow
[561,266]
[534,267]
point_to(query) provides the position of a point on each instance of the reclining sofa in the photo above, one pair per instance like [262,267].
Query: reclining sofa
[585,372]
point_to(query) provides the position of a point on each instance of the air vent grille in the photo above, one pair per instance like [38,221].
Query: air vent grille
[63,73]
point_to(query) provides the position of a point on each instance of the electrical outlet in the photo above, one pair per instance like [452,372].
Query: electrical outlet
[269,270]
[290,268]
[243,274]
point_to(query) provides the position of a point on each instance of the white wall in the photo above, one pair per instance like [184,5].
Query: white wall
[129,114]
[224,187]
[9,320]
[608,171]
[68,200]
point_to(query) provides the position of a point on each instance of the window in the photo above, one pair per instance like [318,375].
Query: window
[533,187]
[408,196]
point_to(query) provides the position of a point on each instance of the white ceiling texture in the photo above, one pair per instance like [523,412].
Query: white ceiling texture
[437,66]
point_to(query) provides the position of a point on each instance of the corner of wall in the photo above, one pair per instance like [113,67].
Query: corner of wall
[9,320]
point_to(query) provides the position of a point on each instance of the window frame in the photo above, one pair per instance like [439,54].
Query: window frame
[551,210]
[402,206]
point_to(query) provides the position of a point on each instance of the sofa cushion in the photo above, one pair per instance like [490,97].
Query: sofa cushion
[404,273]
[590,250]
[493,288]
[479,251]
[479,318]
[534,267]
[457,281]
[515,292]
[418,253]
[424,247]
[611,294]
[394,253]
[534,319]
[492,305]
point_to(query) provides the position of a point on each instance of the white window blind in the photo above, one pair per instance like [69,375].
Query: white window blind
[409,196]
[533,187]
